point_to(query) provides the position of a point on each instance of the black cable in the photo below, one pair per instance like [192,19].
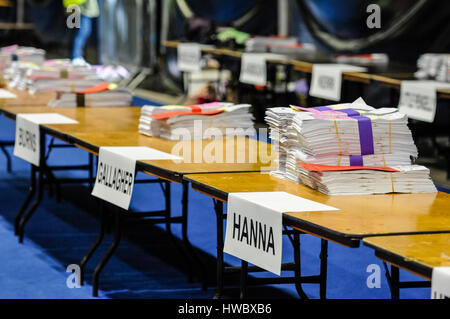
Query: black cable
[339,44]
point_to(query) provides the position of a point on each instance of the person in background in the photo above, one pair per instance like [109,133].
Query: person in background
[89,11]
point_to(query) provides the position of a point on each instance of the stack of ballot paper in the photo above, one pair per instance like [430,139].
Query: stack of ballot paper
[103,94]
[61,77]
[434,66]
[362,59]
[351,180]
[343,136]
[279,120]
[23,54]
[280,45]
[15,74]
[204,121]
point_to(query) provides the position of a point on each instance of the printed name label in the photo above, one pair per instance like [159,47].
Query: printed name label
[253,69]
[440,283]
[189,57]
[115,178]
[27,145]
[418,99]
[117,170]
[326,80]
[254,225]
[254,233]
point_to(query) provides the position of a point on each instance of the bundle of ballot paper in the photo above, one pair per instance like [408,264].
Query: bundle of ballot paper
[362,59]
[103,94]
[13,53]
[341,135]
[204,121]
[280,45]
[15,74]
[434,66]
[351,180]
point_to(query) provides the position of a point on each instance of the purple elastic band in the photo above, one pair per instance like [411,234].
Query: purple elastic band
[365,134]
[323,108]
[356,160]
[350,112]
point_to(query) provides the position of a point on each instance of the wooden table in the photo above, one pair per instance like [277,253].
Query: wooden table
[358,215]
[389,75]
[418,254]
[25,99]
[118,126]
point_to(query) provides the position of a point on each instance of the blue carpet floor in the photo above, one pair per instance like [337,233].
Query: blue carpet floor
[146,264]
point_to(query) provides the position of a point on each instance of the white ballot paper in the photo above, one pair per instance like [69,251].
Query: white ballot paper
[326,80]
[4,94]
[27,143]
[117,169]
[254,225]
[254,67]
[189,56]
[418,99]
[440,283]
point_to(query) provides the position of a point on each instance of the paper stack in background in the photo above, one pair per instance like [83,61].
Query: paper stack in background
[59,75]
[434,66]
[353,180]
[363,59]
[14,53]
[279,120]
[280,45]
[175,122]
[343,136]
[103,94]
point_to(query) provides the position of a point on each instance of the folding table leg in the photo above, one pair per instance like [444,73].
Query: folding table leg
[244,275]
[8,157]
[26,203]
[188,263]
[298,266]
[393,279]
[203,272]
[109,253]
[91,171]
[395,275]
[40,190]
[218,208]
[97,242]
[323,268]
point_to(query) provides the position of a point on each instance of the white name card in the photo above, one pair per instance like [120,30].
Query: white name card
[326,80]
[27,143]
[254,225]
[254,67]
[418,99]
[116,172]
[4,94]
[440,283]
[189,57]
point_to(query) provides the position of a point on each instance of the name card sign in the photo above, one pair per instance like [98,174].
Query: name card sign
[418,99]
[254,67]
[189,57]
[4,94]
[116,172]
[27,143]
[254,225]
[326,80]
[440,283]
